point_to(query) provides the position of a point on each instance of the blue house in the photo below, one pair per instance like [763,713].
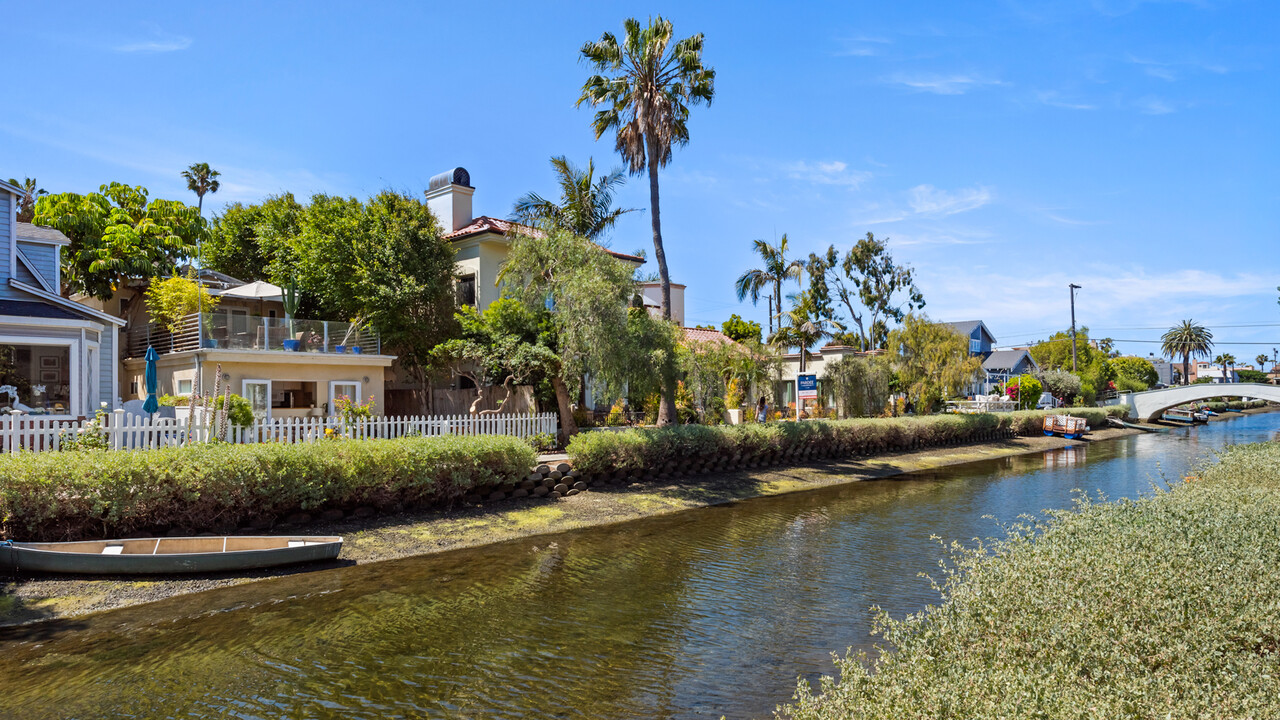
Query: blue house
[58,358]
[997,365]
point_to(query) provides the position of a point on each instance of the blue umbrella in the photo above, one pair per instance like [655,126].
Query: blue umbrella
[153,381]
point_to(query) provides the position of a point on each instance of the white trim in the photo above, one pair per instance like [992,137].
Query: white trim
[75,349]
[359,393]
[59,300]
[115,366]
[244,391]
[31,268]
[50,322]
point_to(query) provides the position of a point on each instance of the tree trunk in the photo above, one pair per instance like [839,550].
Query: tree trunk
[568,428]
[667,405]
[1186,378]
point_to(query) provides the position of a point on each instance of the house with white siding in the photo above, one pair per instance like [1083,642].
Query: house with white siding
[58,358]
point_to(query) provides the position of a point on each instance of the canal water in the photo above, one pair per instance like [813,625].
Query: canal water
[710,612]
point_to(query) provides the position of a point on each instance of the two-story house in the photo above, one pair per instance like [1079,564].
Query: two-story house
[57,356]
[998,366]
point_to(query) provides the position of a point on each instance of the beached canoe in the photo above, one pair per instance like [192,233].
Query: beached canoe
[168,555]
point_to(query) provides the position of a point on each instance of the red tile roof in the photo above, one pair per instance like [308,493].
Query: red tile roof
[486,224]
[703,335]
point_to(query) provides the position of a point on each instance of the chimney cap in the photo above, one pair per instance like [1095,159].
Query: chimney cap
[456,176]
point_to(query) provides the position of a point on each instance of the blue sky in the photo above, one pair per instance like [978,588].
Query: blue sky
[1005,148]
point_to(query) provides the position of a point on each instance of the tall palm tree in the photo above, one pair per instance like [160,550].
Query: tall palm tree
[777,269]
[1262,361]
[201,179]
[586,202]
[1187,339]
[644,87]
[27,205]
[1226,360]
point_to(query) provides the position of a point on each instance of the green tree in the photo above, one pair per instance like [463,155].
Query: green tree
[31,191]
[118,235]
[1025,391]
[1225,360]
[201,179]
[776,270]
[1055,353]
[1061,384]
[1138,370]
[803,328]
[1188,340]
[860,385]
[587,290]
[251,242]
[644,87]
[501,347]
[741,330]
[932,361]
[873,287]
[1261,359]
[172,300]
[586,202]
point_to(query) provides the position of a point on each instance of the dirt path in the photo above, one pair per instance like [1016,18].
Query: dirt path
[387,537]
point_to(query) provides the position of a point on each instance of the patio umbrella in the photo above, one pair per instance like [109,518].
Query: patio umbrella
[153,381]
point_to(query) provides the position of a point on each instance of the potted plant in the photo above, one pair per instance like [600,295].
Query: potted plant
[291,299]
[733,397]
[353,333]
[171,301]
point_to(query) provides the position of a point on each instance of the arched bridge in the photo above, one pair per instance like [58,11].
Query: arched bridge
[1148,405]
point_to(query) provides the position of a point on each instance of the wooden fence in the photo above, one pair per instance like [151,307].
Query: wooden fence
[121,431]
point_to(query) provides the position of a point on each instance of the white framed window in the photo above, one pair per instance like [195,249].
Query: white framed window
[340,388]
[184,387]
[258,393]
[41,376]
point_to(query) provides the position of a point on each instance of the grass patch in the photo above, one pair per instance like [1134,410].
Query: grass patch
[1162,607]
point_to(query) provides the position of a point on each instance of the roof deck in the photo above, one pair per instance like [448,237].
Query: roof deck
[227,330]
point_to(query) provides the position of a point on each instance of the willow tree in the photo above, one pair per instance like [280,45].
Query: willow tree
[644,86]
[860,385]
[586,201]
[931,359]
[1188,340]
[587,291]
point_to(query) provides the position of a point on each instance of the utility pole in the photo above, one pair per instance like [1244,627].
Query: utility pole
[1073,288]
[770,304]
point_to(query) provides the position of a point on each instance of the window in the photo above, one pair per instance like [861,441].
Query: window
[465,290]
[184,387]
[339,388]
[292,395]
[35,379]
[975,346]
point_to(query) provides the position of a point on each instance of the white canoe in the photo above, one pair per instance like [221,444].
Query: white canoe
[169,555]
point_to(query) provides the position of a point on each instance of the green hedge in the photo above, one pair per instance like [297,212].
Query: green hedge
[654,449]
[1219,406]
[1164,607]
[107,493]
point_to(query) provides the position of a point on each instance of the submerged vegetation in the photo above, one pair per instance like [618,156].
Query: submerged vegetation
[1162,607]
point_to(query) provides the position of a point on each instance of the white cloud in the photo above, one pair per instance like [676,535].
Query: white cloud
[928,200]
[1071,221]
[861,46]
[1054,99]
[1152,105]
[162,42]
[829,172]
[954,84]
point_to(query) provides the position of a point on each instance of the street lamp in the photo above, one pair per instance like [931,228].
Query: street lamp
[1073,288]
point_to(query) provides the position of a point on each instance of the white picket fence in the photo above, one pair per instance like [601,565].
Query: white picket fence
[133,432]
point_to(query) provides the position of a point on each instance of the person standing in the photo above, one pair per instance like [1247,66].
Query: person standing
[762,410]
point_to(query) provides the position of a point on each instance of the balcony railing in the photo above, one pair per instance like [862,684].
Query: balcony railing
[228,331]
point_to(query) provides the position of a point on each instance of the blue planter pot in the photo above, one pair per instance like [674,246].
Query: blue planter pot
[292,345]
[340,349]
[209,343]
[356,349]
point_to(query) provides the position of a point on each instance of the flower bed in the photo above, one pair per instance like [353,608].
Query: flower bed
[699,448]
[1163,607]
[219,487]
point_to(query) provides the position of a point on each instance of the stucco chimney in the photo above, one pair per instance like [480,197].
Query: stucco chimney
[449,198]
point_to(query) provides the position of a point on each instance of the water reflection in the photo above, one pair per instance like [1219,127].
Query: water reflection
[706,613]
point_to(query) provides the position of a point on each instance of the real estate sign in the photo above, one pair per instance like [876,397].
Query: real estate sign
[807,387]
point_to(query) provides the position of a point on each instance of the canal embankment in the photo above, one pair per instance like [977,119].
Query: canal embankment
[394,534]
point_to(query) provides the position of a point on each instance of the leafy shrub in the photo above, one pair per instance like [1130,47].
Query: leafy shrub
[617,414]
[1117,411]
[1139,371]
[1024,390]
[1060,383]
[220,486]
[1163,607]
[240,413]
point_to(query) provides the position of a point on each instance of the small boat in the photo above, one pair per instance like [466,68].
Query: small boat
[168,555]
[1179,415]
[1066,426]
